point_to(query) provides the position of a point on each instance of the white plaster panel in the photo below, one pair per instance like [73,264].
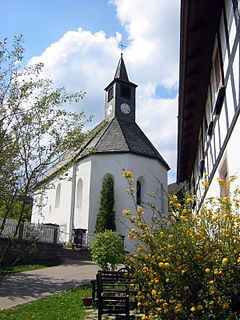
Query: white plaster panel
[50,214]
[152,171]
[81,214]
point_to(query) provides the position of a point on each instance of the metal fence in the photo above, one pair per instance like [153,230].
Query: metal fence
[31,231]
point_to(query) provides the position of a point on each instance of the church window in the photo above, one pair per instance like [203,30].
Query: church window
[110,94]
[125,91]
[58,194]
[79,193]
[139,193]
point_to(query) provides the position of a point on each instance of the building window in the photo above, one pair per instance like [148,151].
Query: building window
[217,70]
[125,91]
[219,78]
[58,194]
[79,193]
[223,175]
[139,193]
[110,94]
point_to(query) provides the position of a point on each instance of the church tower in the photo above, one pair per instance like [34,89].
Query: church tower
[120,96]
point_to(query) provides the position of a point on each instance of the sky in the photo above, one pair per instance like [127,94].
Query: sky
[78,42]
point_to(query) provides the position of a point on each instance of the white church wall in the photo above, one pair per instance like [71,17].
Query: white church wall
[150,170]
[81,210]
[53,211]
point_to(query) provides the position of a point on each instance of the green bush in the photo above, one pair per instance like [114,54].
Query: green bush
[106,215]
[188,263]
[107,249]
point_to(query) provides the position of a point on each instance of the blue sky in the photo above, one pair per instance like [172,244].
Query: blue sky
[43,22]
[78,42]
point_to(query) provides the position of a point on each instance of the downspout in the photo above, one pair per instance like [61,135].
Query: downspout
[72,209]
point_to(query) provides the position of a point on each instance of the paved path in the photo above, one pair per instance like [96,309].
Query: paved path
[26,286]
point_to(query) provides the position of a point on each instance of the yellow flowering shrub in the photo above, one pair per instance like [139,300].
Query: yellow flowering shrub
[188,264]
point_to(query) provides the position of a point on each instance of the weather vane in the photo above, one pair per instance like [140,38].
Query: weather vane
[122,47]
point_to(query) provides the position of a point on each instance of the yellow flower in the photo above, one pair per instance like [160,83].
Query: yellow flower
[126,212]
[200,307]
[225,306]
[212,290]
[216,272]
[207,270]
[154,292]
[221,181]
[139,209]
[128,174]
[131,180]
[205,184]
[224,261]
[193,309]
[175,198]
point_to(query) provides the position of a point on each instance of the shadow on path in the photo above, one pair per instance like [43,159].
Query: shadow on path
[26,286]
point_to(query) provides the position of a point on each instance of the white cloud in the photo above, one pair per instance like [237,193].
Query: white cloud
[86,61]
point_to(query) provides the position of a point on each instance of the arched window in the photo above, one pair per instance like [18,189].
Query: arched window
[139,193]
[79,193]
[58,194]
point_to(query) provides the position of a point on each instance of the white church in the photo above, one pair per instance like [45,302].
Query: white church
[115,145]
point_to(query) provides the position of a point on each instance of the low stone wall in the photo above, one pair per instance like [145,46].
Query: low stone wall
[28,252]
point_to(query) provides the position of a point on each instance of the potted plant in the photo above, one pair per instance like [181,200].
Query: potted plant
[87,301]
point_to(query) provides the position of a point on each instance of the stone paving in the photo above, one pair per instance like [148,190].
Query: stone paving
[93,315]
[23,287]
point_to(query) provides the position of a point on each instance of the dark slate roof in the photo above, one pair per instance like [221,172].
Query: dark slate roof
[116,136]
[121,72]
[120,136]
[175,188]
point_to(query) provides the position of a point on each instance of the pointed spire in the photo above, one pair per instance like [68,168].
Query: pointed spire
[121,72]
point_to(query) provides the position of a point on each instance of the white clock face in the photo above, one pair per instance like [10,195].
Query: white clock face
[109,110]
[125,108]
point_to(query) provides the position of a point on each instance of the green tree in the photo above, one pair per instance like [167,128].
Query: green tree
[106,215]
[107,249]
[36,133]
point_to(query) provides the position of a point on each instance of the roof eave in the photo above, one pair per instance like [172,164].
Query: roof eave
[197,18]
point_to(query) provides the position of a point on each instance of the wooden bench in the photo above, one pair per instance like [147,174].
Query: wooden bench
[113,294]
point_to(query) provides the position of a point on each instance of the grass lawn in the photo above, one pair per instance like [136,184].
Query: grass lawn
[29,267]
[66,305]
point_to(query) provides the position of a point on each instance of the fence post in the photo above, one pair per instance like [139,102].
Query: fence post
[20,231]
[55,235]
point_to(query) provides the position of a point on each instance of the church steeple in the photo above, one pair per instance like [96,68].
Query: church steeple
[121,72]
[120,95]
